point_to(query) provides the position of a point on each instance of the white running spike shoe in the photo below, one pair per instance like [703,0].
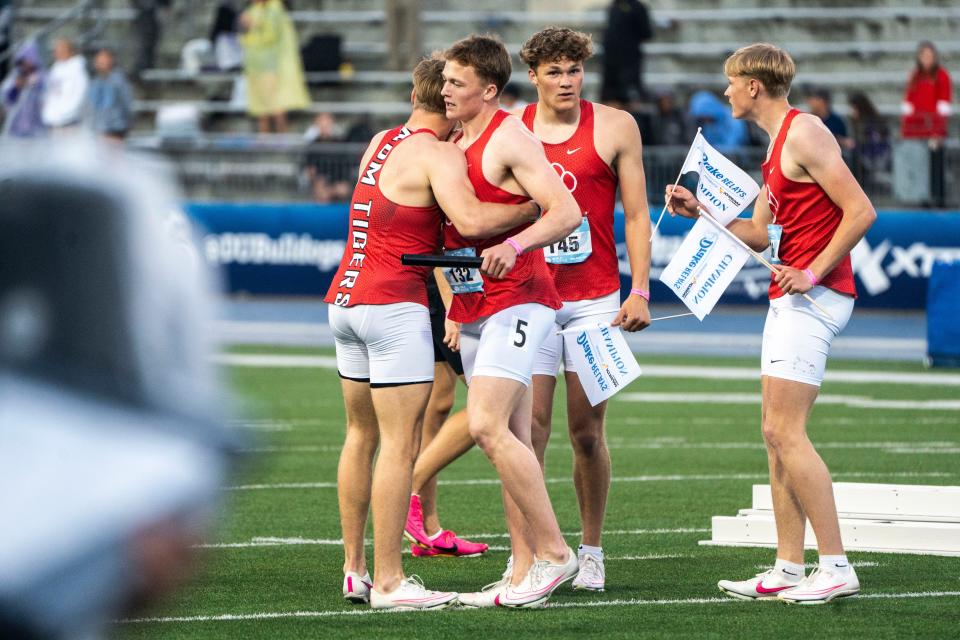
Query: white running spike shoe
[763,586]
[487,597]
[822,586]
[411,595]
[592,576]
[356,587]
[539,583]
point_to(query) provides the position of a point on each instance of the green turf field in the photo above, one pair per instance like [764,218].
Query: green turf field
[668,482]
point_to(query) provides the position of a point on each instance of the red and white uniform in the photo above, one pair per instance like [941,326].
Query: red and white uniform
[504,320]
[378,307]
[593,185]
[809,218]
[584,265]
[797,335]
[380,232]
[529,281]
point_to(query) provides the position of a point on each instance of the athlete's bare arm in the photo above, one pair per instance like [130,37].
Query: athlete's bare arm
[446,169]
[451,328]
[514,147]
[620,127]
[811,147]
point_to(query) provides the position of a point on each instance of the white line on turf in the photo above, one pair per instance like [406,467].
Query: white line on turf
[857,402]
[615,444]
[814,565]
[267,541]
[232,617]
[663,478]
[649,371]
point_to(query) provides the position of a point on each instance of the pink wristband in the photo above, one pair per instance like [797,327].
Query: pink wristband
[811,277]
[640,292]
[516,245]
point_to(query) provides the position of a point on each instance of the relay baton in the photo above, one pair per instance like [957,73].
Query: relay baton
[427,260]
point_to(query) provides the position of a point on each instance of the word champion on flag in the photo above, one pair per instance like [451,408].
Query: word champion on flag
[707,260]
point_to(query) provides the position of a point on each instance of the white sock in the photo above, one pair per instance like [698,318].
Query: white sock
[789,570]
[435,536]
[593,551]
[837,564]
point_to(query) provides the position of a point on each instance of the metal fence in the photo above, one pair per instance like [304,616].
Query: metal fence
[232,168]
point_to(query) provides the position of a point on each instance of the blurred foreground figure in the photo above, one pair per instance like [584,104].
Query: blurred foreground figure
[112,447]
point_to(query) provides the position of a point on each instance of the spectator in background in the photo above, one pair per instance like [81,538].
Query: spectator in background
[628,27]
[672,126]
[719,126]
[272,65]
[510,98]
[325,184]
[65,88]
[146,24]
[926,106]
[870,138]
[819,103]
[223,38]
[109,99]
[22,94]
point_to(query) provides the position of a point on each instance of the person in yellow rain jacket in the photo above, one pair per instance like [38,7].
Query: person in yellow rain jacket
[272,65]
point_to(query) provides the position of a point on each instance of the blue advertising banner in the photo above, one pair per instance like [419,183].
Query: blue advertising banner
[294,249]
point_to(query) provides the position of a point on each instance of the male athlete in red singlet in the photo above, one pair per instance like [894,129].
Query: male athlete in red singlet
[812,203]
[506,317]
[380,322]
[595,149]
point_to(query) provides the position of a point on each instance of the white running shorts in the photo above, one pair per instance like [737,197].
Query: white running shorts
[797,335]
[573,314]
[505,344]
[385,344]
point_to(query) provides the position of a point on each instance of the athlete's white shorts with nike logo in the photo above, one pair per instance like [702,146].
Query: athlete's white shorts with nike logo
[797,335]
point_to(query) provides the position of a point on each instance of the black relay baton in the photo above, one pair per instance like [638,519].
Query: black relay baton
[428,260]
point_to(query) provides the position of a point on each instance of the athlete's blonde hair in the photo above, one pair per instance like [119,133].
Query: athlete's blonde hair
[769,64]
[427,84]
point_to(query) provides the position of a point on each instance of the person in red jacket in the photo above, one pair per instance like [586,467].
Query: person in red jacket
[926,107]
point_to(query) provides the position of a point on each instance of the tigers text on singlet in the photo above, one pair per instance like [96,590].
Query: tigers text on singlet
[809,218]
[585,264]
[529,281]
[380,232]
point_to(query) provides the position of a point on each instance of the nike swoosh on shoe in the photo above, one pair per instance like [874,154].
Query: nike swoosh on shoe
[763,589]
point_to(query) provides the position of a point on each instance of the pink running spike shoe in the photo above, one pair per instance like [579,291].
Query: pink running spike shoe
[448,544]
[413,530]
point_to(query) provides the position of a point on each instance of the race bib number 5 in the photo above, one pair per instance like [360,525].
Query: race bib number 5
[463,279]
[573,249]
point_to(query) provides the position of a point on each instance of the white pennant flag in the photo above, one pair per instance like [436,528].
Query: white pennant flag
[602,359]
[724,189]
[703,267]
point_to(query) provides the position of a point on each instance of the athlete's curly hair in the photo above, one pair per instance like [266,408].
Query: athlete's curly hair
[556,43]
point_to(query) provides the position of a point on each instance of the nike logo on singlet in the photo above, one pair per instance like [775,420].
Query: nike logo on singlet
[570,152]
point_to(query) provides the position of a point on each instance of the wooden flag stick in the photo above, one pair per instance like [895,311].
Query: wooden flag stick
[756,255]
